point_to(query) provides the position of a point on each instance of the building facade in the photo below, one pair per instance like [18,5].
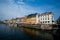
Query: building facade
[31,19]
[22,20]
[46,18]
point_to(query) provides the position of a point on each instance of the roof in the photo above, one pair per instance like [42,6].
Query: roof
[46,13]
[32,15]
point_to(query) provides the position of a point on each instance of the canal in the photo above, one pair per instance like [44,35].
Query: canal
[16,33]
[12,33]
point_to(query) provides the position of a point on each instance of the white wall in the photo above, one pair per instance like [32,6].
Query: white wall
[45,17]
[36,19]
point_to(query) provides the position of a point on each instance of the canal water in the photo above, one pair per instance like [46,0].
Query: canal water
[15,33]
[12,33]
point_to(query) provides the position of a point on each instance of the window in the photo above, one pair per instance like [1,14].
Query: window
[48,21]
[43,18]
[45,21]
[48,18]
[41,22]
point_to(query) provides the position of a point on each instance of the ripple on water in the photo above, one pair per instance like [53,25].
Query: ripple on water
[11,33]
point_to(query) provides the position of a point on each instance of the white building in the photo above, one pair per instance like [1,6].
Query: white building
[45,18]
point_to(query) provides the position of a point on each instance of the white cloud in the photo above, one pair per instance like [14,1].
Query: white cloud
[19,9]
[31,0]
[20,2]
[14,10]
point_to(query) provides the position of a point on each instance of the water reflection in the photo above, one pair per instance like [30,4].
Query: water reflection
[39,34]
[15,33]
[12,33]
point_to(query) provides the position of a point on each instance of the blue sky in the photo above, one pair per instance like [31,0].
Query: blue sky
[17,8]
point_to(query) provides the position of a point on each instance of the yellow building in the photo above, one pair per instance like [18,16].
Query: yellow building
[31,19]
[14,20]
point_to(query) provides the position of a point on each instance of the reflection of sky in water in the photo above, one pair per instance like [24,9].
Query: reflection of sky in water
[7,32]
